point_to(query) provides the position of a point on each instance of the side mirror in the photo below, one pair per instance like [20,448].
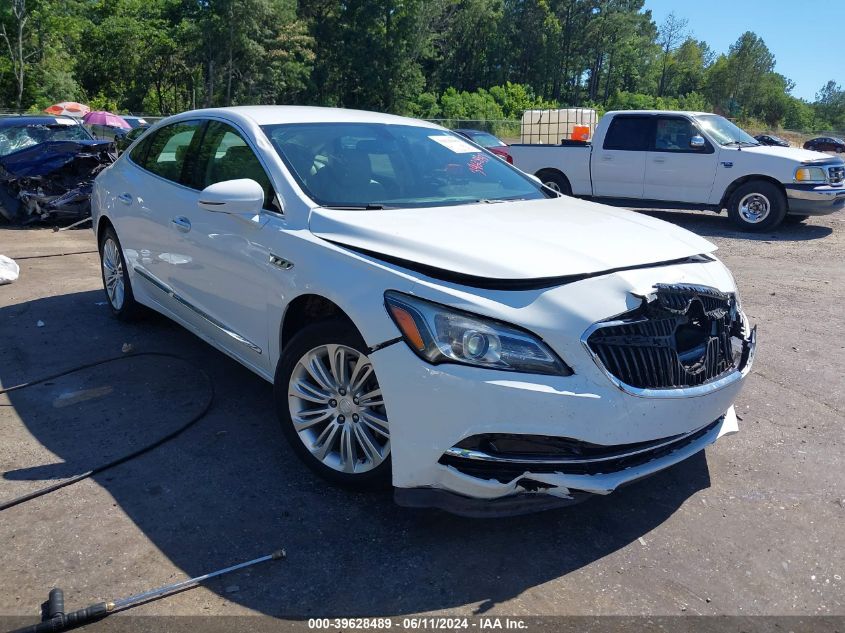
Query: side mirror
[240,196]
[697,142]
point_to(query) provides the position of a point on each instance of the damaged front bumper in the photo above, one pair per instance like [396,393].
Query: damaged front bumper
[542,484]
[480,442]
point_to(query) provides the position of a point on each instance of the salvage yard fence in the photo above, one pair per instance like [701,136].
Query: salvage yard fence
[506,129]
[509,130]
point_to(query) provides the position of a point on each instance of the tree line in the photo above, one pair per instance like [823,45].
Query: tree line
[469,59]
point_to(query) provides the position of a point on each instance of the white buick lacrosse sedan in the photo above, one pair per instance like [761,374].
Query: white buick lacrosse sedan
[429,316]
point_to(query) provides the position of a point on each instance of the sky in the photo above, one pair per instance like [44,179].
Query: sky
[805,37]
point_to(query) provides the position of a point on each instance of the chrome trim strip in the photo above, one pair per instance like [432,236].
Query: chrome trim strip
[822,193]
[481,456]
[207,317]
[676,392]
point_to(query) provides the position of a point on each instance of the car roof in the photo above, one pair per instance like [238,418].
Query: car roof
[656,112]
[274,115]
[15,121]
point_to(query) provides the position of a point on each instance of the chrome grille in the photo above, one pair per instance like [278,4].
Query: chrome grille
[836,174]
[683,336]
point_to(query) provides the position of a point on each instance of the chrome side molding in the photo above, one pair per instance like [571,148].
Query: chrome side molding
[200,313]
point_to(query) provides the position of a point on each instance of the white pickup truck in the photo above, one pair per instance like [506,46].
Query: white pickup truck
[670,159]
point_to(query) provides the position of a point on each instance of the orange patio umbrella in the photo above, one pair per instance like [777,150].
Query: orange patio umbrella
[71,108]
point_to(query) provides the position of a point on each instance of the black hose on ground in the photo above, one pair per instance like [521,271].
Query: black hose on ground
[120,460]
[54,255]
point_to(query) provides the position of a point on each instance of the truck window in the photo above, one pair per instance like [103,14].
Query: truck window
[630,133]
[673,134]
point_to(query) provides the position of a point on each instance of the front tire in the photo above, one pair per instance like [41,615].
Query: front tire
[330,405]
[757,206]
[115,276]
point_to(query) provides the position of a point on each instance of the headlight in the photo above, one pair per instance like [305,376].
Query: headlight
[810,175]
[439,334]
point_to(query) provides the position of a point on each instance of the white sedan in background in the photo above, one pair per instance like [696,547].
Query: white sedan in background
[430,317]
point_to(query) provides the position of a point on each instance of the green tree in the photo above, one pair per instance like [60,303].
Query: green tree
[672,33]
[830,105]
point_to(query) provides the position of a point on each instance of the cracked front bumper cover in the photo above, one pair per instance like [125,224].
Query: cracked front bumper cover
[532,491]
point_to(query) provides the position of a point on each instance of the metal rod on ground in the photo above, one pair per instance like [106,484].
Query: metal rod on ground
[56,620]
[131,601]
[70,226]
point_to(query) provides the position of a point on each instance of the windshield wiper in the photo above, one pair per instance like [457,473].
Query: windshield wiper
[358,207]
[741,143]
[497,200]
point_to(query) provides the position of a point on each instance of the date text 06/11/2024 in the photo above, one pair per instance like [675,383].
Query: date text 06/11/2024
[418,623]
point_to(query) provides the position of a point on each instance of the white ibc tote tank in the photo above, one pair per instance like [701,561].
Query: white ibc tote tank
[553,126]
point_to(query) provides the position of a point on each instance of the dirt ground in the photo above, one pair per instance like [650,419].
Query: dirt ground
[752,527]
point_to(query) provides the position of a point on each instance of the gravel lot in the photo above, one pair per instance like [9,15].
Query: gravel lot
[755,526]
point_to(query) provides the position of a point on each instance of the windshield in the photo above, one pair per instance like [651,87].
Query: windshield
[724,132]
[19,137]
[487,140]
[371,165]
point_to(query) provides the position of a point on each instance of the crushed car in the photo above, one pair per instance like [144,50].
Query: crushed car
[47,168]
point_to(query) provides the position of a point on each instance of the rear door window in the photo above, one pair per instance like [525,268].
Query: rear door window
[167,150]
[630,133]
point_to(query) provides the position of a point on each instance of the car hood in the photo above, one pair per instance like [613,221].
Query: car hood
[513,240]
[791,153]
[44,158]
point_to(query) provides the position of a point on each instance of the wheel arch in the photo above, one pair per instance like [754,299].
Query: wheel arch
[306,309]
[556,172]
[102,224]
[726,196]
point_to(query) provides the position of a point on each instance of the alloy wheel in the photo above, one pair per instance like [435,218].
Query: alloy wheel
[113,273]
[337,409]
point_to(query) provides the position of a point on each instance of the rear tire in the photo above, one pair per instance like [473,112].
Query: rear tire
[330,406]
[115,274]
[757,206]
[556,181]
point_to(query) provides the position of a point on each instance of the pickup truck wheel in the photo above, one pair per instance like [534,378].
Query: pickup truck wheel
[556,181]
[116,278]
[757,206]
[331,408]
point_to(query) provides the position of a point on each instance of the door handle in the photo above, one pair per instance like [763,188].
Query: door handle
[125,198]
[607,158]
[659,160]
[182,223]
